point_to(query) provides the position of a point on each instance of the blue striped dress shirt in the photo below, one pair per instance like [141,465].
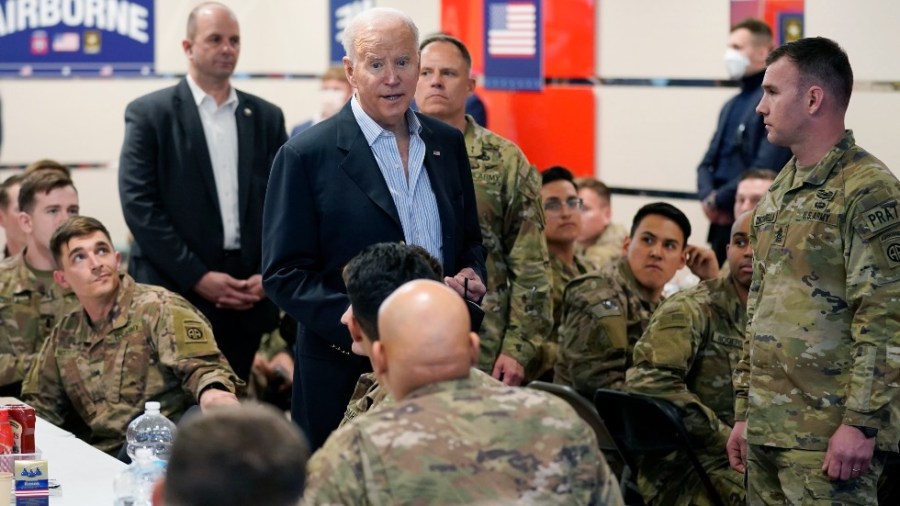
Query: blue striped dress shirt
[414,199]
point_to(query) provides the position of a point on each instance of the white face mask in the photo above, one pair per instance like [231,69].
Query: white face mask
[331,100]
[736,63]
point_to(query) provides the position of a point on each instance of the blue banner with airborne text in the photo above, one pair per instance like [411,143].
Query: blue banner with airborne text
[76,37]
[340,13]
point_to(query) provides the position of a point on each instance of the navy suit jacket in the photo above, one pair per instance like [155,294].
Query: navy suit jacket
[327,200]
[168,190]
[756,152]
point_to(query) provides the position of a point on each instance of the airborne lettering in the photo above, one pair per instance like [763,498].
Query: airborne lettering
[126,18]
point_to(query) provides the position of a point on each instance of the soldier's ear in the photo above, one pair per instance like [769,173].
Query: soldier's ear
[25,222]
[379,361]
[60,278]
[474,347]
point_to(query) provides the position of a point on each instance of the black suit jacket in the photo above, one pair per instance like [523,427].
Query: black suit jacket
[327,200]
[168,190]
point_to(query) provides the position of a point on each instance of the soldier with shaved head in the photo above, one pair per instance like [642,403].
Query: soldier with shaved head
[448,439]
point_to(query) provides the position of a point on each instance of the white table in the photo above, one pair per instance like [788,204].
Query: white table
[84,473]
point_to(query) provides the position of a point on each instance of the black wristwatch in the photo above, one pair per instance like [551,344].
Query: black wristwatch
[869,432]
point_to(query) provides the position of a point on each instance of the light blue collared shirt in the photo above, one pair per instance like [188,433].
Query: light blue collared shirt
[414,199]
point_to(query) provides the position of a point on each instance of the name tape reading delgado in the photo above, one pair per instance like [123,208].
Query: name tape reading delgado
[126,18]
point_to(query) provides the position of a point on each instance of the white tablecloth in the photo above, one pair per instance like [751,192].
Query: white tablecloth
[84,473]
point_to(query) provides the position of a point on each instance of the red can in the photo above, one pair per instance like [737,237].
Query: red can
[22,419]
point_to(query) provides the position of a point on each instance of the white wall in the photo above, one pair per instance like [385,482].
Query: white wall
[654,137]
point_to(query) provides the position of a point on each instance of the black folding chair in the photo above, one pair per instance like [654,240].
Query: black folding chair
[642,425]
[589,414]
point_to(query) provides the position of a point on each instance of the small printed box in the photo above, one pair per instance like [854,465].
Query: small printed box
[31,478]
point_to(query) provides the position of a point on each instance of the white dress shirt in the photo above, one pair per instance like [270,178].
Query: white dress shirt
[220,130]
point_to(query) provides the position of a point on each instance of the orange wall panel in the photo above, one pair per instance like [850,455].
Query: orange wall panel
[553,127]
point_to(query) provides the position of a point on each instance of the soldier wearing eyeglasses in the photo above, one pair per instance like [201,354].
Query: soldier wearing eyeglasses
[562,206]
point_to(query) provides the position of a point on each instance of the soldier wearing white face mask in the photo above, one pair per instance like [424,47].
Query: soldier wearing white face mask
[334,92]
[740,141]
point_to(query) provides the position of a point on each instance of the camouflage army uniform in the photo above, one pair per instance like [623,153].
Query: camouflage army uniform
[603,316]
[31,304]
[456,442]
[508,193]
[154,346]
[823,339]
[607,248]
[560,275]
[368,394]
[687,356]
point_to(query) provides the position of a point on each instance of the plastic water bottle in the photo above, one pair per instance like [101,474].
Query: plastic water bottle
[151,430]
[134,485]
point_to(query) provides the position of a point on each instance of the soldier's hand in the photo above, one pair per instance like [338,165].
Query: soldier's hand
[849,454]
[213,397]
[508,370]
[737,447]
[701,261]
[473,289]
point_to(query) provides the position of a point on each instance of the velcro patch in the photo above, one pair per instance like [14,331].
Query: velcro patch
[817,215]
[890,246]
[764,218]
[605,308]
[877,219]
[194,332]
[728,340]
[671,320]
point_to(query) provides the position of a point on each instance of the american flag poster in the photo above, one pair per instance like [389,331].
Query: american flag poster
[513,45]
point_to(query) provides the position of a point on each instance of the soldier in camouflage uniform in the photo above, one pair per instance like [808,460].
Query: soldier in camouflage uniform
[131,343]
[370,277]
[606,311]
[507,189]
[686,356]
[30,302]
[449,440]
[818,382]
[562,207]
[600,241]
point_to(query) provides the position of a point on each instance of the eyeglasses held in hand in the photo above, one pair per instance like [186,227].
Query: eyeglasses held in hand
[555,205]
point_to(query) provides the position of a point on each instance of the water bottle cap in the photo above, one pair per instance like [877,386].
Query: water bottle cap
[151,406]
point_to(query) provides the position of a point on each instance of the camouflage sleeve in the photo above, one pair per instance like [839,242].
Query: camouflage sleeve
[14,363]
[740,379]
[186,345]
[272,344]
[43,389]
[360,400]
[528,262]
[873,287]
[14,367]
[662,361]
[336,473]
[593,339]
